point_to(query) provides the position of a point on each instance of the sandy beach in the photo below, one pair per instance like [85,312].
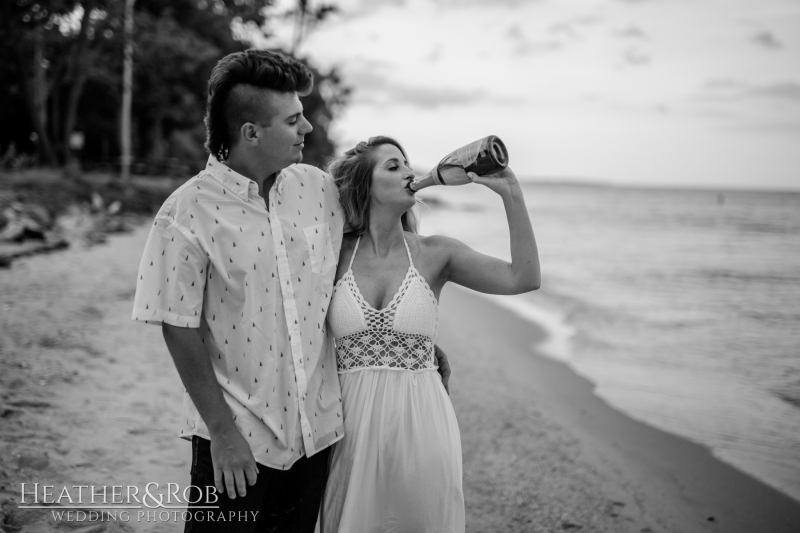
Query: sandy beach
[88,397]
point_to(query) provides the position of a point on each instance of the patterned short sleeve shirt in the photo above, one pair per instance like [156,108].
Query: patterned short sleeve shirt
[257,283]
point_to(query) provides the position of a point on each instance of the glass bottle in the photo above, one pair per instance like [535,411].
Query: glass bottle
[484,156]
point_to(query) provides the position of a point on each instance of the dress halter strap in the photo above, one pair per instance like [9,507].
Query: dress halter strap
[408,251]
[350,266]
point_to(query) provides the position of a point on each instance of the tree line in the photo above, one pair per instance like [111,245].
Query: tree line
[61,78]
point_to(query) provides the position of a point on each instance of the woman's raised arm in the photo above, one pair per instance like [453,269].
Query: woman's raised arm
[488,274]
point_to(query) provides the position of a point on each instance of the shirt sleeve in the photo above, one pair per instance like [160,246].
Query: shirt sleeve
[172,277]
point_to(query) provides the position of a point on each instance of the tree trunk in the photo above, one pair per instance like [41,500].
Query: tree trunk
[36,94]
[299,25]
[77,66]
[157,150]
[71,115]
[55,122]
[127,84]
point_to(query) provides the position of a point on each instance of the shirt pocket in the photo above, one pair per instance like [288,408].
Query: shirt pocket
[320,247]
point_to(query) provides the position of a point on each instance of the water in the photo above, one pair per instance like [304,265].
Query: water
[682,306]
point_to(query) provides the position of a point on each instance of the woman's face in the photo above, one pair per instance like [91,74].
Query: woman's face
[390,178]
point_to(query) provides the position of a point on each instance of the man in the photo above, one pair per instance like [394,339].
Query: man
[238,270]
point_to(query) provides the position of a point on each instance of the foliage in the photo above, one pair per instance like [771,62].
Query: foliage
[35,187]
[320,108]
[47,48]
[61,66]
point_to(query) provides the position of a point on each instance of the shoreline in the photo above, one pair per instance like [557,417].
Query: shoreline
[648,480]
[557,346]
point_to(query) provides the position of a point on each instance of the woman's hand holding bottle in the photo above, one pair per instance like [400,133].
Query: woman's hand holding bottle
[503,182]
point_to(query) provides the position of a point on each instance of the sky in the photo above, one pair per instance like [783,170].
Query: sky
[698,93]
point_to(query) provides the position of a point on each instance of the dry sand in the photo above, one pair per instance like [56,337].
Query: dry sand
[88,397]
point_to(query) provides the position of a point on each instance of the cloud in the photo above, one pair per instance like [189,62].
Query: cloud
[522,46]
[635,58]
[430,98]
[537,47]
[571,27]
[728,89]
[373,88]
[766,40]
[631,32]
[494,3]
[515,33]
[364,8]
[565,29]
[586,20]
[426,97]
[782,91]
[780,127]
[434,55]
[367,4]
[722,84]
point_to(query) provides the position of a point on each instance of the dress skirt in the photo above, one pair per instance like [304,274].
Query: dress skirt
[398,467]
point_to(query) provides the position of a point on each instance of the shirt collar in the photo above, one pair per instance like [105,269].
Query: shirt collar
[279,181]
[230,179]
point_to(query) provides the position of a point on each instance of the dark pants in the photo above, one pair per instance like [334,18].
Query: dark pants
[284,500]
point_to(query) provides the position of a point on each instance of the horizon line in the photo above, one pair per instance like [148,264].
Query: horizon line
[707,187]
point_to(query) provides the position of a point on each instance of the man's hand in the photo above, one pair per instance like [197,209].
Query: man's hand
[444,366]
[234,463]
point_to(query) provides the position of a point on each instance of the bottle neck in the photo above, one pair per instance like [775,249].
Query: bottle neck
[427,180]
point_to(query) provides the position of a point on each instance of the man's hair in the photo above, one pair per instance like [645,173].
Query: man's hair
[235,91]
[352,174]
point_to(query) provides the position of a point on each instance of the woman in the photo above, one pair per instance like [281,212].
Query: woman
[398,467]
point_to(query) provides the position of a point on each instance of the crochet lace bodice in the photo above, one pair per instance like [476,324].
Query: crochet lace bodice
[399,336]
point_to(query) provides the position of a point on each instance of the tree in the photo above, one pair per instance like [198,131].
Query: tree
[53,44]
[305,19]
[64,63]
[178,45]
[321,106]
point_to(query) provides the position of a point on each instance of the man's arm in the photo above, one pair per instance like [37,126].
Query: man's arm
[444,366]
[233,461]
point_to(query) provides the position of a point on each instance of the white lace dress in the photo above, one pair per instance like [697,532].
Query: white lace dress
[398,467]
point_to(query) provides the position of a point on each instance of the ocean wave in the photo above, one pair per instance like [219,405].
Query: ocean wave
[557,344]
[773,316]
[740,275]
[765,227]
[789,393]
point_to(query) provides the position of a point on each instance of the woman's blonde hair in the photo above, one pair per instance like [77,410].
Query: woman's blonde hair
[352,174]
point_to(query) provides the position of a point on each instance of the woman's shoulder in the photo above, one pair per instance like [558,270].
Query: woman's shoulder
[433,244]
[432,241]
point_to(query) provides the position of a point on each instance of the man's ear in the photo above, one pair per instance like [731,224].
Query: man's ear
[249,133]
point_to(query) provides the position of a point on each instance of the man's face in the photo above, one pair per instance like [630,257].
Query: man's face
[280,143]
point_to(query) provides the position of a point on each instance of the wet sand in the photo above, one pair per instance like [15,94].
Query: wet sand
[88,397]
